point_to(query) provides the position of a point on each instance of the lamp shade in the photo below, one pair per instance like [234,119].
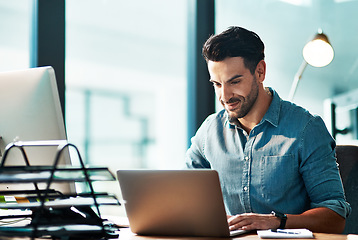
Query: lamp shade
[318,52]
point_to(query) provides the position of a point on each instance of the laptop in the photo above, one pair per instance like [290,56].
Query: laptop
[174,203]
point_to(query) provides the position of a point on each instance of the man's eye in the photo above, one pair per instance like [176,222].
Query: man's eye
[216,84]
[235,82]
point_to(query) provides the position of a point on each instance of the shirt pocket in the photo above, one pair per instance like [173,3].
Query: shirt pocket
[278,174]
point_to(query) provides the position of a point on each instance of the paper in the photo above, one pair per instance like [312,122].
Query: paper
[285,233]
[79,201]
[71,174]
[352,237]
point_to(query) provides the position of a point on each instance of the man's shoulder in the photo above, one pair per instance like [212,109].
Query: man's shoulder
[293,110]
[285,112]
[217,117]
[213,124]
[298,117]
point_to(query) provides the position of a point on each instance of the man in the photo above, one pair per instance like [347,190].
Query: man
[275,160]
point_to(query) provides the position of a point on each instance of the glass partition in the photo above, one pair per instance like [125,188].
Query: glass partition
[15,34]
[126,82]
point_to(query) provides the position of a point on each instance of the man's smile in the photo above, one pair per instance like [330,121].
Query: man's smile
[232,106]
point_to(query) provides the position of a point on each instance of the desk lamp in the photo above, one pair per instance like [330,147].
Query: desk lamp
[318,53]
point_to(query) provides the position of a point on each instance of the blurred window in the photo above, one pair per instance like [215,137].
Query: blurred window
[126,82]
[15,34]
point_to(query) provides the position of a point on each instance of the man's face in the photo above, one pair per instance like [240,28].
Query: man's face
[236,88]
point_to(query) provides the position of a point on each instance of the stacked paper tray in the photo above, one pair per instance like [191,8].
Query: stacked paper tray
[21,174]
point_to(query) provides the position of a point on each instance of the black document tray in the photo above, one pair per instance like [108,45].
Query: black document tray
[47,212]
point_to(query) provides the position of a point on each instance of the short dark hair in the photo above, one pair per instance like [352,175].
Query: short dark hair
[235,42]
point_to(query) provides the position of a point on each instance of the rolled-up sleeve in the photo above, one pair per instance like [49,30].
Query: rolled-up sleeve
[319,168]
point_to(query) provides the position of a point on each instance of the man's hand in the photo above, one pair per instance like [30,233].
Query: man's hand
[317,220]
[253,221]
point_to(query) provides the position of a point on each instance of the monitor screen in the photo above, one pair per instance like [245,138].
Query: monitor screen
[30,110]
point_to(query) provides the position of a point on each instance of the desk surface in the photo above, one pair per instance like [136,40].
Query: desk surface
[126,234]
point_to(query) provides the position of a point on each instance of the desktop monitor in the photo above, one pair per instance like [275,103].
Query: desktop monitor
[30,110]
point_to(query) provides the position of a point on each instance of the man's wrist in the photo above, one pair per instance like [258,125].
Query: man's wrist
[282,217]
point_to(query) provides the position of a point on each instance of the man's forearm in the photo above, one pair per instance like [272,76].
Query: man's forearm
[317,220]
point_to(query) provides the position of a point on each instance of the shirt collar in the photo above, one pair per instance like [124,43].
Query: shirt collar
[273,112]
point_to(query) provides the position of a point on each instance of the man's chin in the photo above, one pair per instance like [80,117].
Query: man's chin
[232,117]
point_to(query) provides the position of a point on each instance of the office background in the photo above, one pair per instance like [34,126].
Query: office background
[128,101]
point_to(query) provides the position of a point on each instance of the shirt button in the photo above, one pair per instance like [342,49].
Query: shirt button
[247,158]
[245,188]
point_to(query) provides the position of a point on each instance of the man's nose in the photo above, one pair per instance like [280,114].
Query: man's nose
[226,93]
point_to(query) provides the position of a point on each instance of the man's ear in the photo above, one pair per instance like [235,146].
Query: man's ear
[261,70]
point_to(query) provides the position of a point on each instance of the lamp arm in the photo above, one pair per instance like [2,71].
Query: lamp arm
[296,80]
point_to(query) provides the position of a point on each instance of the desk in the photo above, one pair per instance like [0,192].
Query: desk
[126,234]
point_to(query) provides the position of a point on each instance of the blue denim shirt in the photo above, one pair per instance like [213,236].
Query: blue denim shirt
[287,163]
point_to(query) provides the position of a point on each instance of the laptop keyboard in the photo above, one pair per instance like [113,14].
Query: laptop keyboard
[237,232]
